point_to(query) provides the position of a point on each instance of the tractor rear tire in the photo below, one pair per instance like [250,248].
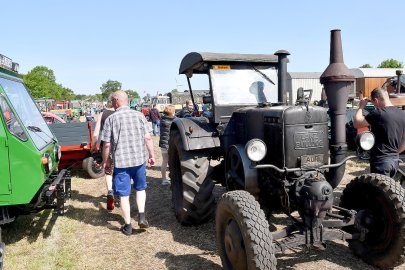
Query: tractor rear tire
[191,183]
[379,202]
[242,231]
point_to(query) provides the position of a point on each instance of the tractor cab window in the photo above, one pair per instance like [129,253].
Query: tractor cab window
[27,112]
[244,86]
[11,121]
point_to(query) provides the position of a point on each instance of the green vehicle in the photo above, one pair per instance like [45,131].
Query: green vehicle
[29,154]
[135,104]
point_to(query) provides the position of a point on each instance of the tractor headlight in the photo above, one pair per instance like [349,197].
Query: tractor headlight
[47,162]
[365,140]
[256,150]
[57,152]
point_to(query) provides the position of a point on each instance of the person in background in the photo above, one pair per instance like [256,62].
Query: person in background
[206,112]
[154,116]
[387,123]
[165,123]
[89,115]
[111,201]
[126,134]
[188,110]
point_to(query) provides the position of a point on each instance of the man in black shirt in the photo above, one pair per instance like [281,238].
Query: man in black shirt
[388,126]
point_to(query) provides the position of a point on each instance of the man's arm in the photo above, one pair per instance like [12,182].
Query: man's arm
[359,120]
[106,151]
[149,146]
[96,134]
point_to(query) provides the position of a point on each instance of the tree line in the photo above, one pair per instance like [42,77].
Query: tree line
[388,63]
[41,83]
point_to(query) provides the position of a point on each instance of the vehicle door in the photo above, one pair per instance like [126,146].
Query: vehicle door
[5,181]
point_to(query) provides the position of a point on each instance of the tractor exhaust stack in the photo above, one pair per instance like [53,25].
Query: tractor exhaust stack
[338,82]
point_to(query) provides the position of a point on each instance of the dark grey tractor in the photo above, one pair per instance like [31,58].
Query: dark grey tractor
[272,156]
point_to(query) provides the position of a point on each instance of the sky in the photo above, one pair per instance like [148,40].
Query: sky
[141,43]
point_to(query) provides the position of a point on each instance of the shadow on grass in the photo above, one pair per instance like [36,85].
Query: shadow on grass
[94,217]
[335,253]
[157,168]
[81,197]
[189,261]
[30,226]
[160,214]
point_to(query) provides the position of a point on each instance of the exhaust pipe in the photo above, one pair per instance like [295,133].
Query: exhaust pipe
[282,75]
[338,81]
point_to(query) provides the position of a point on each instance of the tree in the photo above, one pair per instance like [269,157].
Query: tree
[366,66]
[175,90]
[44,71]
[98,97]
[391,63]
[41,82]
[109,87]
[80,97]
[132,94]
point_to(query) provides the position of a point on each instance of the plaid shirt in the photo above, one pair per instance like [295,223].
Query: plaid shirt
[125,130]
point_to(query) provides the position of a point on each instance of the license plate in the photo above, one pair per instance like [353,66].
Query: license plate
[312,161]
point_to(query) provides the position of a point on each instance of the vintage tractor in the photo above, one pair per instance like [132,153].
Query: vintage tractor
[274,156]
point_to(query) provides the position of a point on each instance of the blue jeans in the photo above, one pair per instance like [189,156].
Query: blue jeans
[388,166]
[154,124]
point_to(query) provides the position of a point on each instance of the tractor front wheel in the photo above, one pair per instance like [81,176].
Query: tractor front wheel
[242,231]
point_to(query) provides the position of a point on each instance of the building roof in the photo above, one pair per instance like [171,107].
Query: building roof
[305,75]
[374,72]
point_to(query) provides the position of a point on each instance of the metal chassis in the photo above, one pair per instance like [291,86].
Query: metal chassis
[59,190]
[296,234]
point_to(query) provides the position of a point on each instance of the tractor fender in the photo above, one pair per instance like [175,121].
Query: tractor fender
[251,176]
[196,133]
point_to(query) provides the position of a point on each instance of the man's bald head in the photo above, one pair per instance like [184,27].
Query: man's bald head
[120,98]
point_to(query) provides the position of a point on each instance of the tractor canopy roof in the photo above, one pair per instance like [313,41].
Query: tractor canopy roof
[199,63]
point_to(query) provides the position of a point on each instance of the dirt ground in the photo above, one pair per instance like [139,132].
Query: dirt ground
[88,236]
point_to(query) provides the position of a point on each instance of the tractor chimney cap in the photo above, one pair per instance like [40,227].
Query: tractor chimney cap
[337,71]
[282,52]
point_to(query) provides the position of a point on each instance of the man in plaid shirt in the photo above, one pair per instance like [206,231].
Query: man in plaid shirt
[126,134]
